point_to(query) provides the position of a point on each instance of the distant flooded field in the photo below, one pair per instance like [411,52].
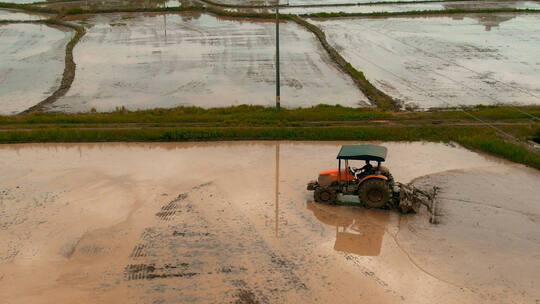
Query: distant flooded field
[301,2]
[396,7]
[446,60]
[31,64]
[8,14]
[200,60]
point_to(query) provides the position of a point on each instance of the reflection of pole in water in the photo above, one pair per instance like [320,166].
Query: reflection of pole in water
[165,26]
[277,189]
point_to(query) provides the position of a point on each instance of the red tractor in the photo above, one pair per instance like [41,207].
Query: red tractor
[373,184]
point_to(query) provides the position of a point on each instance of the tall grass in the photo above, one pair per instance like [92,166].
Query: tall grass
[248,115]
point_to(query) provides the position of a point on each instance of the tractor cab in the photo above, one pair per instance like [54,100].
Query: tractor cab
[371,182]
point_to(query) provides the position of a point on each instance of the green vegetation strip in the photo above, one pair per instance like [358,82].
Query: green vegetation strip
[246,115]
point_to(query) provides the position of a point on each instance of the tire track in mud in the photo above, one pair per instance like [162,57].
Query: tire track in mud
[187,249]
[169,210]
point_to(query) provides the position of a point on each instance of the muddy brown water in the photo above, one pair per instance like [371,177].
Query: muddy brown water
[207,222]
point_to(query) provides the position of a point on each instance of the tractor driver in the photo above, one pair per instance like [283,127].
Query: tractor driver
[364,170]
[367,167]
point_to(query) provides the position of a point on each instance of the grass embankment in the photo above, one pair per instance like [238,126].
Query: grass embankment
[253,122]
[245,115]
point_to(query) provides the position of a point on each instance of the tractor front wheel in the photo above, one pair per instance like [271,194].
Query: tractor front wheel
[325,195]
[374,193]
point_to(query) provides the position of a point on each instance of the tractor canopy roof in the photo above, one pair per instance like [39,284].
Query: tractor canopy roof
[363,152]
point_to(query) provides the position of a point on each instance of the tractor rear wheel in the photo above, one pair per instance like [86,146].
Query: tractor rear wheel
[325,195]
[374,193]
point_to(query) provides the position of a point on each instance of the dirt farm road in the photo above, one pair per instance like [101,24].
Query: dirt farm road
[205,223]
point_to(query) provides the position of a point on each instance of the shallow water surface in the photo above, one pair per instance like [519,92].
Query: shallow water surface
[31,64]
[445,61]
[109,4]
[398,7]
[8,14]
[200,60]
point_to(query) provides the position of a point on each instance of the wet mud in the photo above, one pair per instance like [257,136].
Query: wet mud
[207,222]
[31,64]
[444,61]
[489,229]
[191,59]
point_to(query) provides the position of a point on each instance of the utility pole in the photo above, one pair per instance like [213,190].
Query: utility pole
[277,56]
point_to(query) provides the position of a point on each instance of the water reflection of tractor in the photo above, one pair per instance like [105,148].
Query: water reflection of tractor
[372,183]
[358,231]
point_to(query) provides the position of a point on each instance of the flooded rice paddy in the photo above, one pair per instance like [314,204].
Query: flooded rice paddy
[109,4]
[200,60]
[193,59]
[232,222]
[397,7]
[21,1]
[302,2]
[31,64]
[442,61]
[7,14]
